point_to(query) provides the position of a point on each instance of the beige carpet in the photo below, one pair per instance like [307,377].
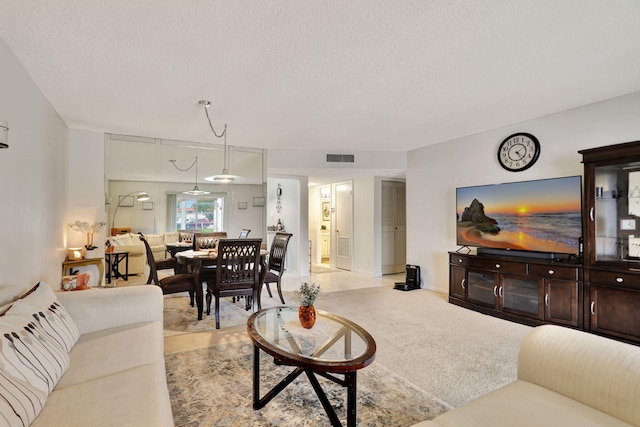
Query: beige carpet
[446,351]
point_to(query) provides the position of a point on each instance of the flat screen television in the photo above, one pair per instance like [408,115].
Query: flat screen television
[538,216]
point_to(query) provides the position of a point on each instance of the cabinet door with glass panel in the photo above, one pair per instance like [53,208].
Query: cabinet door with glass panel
[612,204]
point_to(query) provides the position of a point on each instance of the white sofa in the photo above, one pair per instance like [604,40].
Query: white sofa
[131,243]
[116,372]
[565,378]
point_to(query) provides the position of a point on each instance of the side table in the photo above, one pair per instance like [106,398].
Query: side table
[68,265]
[113,264]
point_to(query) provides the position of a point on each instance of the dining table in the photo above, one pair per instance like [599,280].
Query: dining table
[193,262]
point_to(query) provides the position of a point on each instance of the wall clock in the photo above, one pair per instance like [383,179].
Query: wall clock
[518,152]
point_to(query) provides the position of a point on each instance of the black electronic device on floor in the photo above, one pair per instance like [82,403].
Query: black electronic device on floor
[412,280]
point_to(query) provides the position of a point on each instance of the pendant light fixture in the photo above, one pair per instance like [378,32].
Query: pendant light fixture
[225,177]
[196,191]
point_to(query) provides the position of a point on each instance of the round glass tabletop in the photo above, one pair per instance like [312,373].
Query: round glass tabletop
[332,341]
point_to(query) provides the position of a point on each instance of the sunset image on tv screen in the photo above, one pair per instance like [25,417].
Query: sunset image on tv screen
[543,215]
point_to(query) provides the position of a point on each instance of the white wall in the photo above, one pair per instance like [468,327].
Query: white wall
[33,173]
[85,189]
[434,172]
[293,215]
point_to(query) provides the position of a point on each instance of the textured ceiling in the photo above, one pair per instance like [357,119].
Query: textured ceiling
[333,75]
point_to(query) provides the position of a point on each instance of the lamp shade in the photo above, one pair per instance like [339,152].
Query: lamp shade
[74,254]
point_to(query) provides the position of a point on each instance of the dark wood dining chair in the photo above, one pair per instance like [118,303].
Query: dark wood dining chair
[207,240]
[171,284]
[237,273]
[275,268]
[244,233]
[160,264]
[185,236]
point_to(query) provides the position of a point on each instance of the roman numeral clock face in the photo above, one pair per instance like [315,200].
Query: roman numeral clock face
[518,152]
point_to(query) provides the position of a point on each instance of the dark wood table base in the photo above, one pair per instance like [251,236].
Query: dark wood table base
[349,381]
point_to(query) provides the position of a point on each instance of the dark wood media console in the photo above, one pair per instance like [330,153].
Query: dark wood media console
[529,291]
[602,295]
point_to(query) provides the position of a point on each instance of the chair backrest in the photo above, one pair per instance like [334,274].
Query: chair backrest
[185,236]
[207,240]
[153,271]
[238,264]
[278,251]
[244,233]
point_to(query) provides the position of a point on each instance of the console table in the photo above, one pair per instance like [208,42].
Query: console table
[98,262]
[528,291]
[113,264]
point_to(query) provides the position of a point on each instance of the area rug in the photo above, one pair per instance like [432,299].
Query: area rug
[181,318]
[213,387]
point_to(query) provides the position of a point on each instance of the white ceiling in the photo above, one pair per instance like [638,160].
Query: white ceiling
[334,75]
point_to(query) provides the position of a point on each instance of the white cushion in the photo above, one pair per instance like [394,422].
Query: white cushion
[155,239]
[127,239]
[20,402]
[36,334]
[119,349]
[135,397]
[524,404]
[171,237]
[97,309]
[597,371]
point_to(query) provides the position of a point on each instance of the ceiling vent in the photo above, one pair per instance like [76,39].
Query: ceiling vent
[340,158]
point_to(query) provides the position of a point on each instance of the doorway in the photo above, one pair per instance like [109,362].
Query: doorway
[343,225]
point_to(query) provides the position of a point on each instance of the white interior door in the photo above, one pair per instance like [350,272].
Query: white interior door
[343,225]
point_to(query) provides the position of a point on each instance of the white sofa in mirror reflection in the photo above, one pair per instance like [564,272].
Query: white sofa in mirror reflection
[130,242]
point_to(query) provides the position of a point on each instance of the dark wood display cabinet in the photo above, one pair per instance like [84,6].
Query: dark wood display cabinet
[524,290]
[611,219]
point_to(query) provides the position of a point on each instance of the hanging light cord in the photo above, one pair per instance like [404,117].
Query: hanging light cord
[206,111]
[205,104]
[173,162]
[195,162]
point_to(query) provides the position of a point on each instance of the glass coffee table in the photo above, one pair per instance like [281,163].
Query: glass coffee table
[333,346]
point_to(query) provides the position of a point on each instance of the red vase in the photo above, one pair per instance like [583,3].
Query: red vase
[307,315]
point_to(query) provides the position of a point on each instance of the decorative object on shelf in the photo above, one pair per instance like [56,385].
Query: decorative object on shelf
[307,295]
[69,283]
[225,177]
[4,134]
[278,198]
[141,197]
[196,191]
[326,211]
[518,152]
[88,228]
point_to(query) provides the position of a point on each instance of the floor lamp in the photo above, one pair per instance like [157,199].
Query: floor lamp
[141,197]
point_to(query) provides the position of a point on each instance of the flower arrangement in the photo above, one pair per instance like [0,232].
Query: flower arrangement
[86,227]
[308,293]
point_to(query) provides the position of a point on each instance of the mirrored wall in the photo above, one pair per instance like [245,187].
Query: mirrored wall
[137,164]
